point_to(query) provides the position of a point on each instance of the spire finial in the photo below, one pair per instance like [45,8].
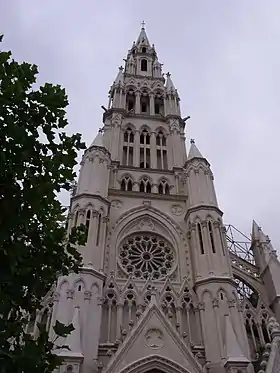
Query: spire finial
[143,25]
[192,141]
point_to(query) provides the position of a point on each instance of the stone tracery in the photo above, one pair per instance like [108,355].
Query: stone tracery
[147,256]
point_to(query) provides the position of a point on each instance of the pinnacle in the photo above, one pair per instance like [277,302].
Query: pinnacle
[194,152]
[119,77]
[255,231]
[98,141]
[169,84]
[258,234]
[143,38]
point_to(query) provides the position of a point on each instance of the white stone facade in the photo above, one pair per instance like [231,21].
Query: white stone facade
[158,290]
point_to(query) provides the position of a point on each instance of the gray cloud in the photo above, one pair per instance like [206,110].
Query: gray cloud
[224,59]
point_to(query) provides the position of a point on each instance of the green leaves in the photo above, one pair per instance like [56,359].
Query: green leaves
[37,158]
[62,330]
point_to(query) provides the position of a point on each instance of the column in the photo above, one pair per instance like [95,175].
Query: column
[201,310]
[166,106]
[102,239]
[119,320]
[153,150]
[81,217]
[136,149]
[137,103]
[179,318]
[215,303]
[120,145]
[90,258]
[170,160]
[115,173]
[177,182]
[184,150]
[152,104]
[192,236]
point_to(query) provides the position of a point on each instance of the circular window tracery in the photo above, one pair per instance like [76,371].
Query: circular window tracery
[147,256]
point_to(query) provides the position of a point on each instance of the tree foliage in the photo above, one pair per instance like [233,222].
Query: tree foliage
[37,158]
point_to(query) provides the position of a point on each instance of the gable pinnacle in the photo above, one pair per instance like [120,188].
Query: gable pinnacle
[143,25]
[192,141]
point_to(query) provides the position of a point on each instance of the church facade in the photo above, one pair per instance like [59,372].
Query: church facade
[158,291]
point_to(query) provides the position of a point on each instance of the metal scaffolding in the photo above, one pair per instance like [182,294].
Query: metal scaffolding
[239,244]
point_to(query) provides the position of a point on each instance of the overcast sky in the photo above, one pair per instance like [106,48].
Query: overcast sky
[224,59]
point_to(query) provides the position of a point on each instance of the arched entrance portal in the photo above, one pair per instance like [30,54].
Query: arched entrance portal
[157,364]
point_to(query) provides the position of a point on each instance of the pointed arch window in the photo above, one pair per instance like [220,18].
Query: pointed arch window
[163,187]
[130,100]
[128,143]
[145,154]
[145,102]
[88,216]
[200,238]
[211,236]
[145,186]
[144,65]
[159,104]
[126,184]
[161,151]
[98,229]
[76,218]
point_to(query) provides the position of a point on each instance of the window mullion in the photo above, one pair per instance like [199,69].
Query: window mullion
[145,150]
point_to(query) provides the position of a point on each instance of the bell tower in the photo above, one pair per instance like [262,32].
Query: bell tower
[156,288]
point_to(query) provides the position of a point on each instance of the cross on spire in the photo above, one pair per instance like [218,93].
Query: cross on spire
[143,24]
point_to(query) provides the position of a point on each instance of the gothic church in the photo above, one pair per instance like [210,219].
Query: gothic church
[159,288]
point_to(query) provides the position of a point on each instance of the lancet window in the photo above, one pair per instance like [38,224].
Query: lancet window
[145,153]
[130,100]
[88,216]
[126,184]
[211,236]
[109,316]
[144,65]
[159,104]
[98,228]
[200,238]
[128,143]
[144,102]
[163,187]
[161,151]
[145,185]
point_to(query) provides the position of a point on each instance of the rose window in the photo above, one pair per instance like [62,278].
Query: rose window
[147,256]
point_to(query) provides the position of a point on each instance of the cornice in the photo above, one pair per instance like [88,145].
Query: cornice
[146,170]
[150,196]
[216,279]
[189,161]
[201,207]
[92,271]
[143,77]
[92,196]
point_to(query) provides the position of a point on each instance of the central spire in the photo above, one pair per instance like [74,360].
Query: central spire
[143,38]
